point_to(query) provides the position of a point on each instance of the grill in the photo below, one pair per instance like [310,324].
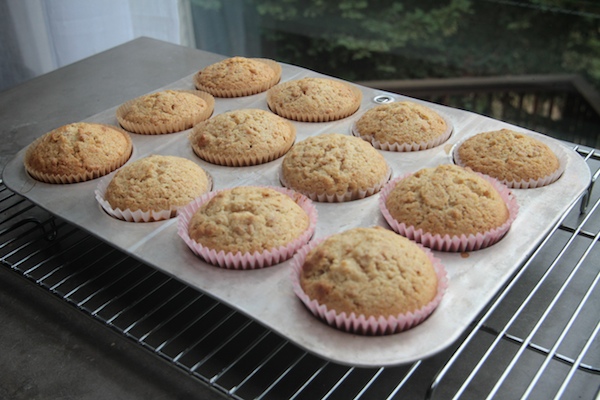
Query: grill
[538,338]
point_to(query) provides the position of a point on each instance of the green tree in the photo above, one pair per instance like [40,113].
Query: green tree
[375,39]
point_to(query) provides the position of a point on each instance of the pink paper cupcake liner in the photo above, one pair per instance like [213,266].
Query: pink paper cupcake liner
[406,147]
[453,243]
[246,260]
[531,183]
[136,215]
[361,324]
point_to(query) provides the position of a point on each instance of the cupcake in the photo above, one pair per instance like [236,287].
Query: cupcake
[368,281]
[153,188]
[77,152]
[516,159]
[402,126]
[242,137]
[166,111]
[238,76]
[314,99]
[247,227]
[334,168]
[449,208]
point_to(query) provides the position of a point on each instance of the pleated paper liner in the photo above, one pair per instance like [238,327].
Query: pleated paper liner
[137,215]
[530,183]
[453,243]
[244,161]
[165,128]
[82,177]
[362,324]
[247,89]
[247,260]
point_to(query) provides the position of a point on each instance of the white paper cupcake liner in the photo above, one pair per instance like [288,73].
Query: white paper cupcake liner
[361,324]
[136,215]
[238,162]
[340,197]
[406,147]
[557,149]
[246,260]
[453,243]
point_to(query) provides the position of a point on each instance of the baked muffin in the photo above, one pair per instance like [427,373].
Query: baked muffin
[77,152]
[514,158]
[248,219]
[334,167]
[166,111]
[369,271]
[314,99]
[368,281]
[447,201]
[156,185]
[242,137]
[402,126]
[238,76]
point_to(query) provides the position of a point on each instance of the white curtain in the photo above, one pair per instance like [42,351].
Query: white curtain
[41,35]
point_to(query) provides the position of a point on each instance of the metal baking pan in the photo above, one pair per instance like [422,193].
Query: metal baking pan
[266,295]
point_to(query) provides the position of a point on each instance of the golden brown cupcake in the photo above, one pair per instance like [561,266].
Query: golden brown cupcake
[447,200]
[449,208]
[166,111]
[511,157]
[242,137]
[368,281]
[369,271]
[77,152]
[238,76]
[157,183]
[314,99]
[248,219]
[334,167]
[402,126]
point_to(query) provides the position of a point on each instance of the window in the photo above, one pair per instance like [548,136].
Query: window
[534,63]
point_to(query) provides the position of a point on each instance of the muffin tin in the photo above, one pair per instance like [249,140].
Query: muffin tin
[266,294]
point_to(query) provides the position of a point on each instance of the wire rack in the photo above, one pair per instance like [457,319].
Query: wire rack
[539,338]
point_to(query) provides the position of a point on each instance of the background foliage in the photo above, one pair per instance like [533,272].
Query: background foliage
[376,39]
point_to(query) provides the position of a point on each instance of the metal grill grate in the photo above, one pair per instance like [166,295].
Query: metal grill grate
[539,338]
